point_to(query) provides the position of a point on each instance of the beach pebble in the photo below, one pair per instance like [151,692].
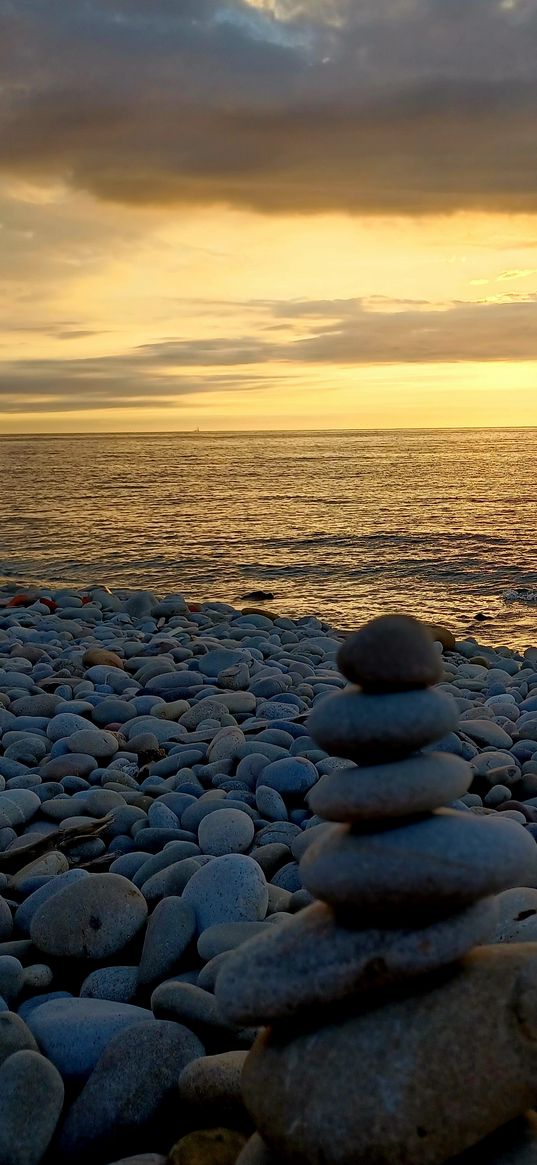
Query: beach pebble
[218,1146]
[391,653]
[213,1084]
[31,1099]
[226,831]
[404,870]
[131,1095]
[310,960]
[292,776]
[92,918]
[416,785]
[170,930]
[118,984]
[73,1033]
[231,888]
[14,1035]
[366,727]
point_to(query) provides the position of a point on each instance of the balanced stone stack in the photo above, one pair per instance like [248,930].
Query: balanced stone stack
[392,1042]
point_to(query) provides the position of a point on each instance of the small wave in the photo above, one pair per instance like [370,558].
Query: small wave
[520,595]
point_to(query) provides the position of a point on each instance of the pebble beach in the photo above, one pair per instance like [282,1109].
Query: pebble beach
[161,783]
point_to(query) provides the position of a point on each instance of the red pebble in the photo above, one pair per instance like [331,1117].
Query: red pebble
[194,606]
[20,601]
[85,599]
[52,606]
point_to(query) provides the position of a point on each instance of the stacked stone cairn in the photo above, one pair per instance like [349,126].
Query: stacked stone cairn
[395,1037]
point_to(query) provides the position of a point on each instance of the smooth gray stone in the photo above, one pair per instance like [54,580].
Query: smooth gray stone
[73,1033]
[517,916]
[256,1152]
[90,919]
[209,973]
[117,984]
[213,1084]
[130,1101]
[14,1035]
[292,776]
[370,728]
[6,920]
[441,862]
[231,888]
[93,741]
[172,880]
[415,785]
[143,1159]
[169,932]
[271,857]
[225,936]
[310,960]
[414,1080]
[27,909]
[176,851]
[187,1004]
[270,803]
[486,732]
[11,977]
[226,831]
[73,765]
[31,1099]
[390,653]
[27,801]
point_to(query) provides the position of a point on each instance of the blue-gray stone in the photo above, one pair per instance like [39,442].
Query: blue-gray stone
[131,1099]
[73,1033]
[31,1100]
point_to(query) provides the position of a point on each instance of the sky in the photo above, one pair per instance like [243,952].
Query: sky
[267,214]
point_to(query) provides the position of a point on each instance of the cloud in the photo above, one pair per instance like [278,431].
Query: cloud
[387,106]
[344,332]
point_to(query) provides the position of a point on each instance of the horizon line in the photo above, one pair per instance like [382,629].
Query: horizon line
[245,432]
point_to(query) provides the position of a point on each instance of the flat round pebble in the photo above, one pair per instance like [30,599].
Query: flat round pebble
[226,831]
[231,888]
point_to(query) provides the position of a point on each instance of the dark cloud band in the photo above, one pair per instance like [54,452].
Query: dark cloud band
[379,107]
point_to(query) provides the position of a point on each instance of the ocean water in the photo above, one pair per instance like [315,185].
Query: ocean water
[345,525]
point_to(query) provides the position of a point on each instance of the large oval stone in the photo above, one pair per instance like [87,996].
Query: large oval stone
[438,863]
[371,728]
[31,1099]
[73,1033]
[89,919]
[412,1082]
[414,785]
[311,960]
[231,888]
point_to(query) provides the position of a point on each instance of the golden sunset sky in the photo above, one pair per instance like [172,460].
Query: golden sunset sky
[266,215]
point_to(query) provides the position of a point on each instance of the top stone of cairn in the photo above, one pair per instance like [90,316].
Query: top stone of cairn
[393,653]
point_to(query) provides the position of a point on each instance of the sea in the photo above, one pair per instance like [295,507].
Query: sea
[441,524]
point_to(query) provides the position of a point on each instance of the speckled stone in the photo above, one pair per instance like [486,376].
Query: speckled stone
[31,1099]
[90,919]
[130,1100]
[231,888]
[425,1076]
[311,960]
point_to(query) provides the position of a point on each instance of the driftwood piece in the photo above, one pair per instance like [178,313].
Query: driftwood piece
[62,839]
